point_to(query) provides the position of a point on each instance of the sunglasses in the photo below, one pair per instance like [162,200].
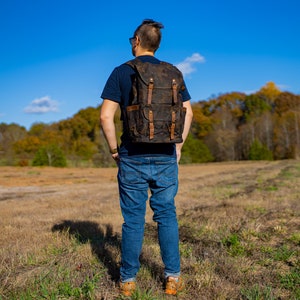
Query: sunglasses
[132,39]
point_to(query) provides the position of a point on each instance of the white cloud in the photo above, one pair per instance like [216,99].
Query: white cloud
[283,87]
[41,106]
[187,66]
[249,92]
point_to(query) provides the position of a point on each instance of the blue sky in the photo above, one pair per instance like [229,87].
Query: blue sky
[55,56]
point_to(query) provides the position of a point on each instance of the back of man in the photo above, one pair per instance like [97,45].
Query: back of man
[144,166]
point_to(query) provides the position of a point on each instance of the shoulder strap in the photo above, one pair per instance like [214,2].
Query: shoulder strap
[137,65]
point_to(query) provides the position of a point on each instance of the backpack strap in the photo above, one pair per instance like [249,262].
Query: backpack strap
[150,84]
[174,89]
[150,91]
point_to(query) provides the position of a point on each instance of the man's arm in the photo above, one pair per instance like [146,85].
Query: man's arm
[107,114]
[186,129]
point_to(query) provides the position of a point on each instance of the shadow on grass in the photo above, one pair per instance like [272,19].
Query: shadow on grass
[104,242]
[106,245]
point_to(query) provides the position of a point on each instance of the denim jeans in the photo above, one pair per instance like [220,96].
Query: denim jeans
[136,177]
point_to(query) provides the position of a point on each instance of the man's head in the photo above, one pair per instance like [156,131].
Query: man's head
[147,36]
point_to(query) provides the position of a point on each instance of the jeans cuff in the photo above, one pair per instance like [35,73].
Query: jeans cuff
[128,279]
[172,274]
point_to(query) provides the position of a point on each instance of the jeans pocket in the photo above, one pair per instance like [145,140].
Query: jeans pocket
[129,171]
[167,172]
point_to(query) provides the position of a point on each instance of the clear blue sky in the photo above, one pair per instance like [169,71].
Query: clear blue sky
[56,55]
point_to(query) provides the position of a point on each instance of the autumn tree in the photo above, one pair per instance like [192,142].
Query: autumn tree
[287,102]
[28,145]
[225,127]
[226,113]
[91,116]
[287,131]
[269,92]
[10,134]
[201,124]
[39,135]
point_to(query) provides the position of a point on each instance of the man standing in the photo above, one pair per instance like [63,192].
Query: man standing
[143,167]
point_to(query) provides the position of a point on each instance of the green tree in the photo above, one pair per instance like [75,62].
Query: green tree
[50,155]
[255,106]
[259,152]
[91,116]
[37,129]
[85,148]
[195,151]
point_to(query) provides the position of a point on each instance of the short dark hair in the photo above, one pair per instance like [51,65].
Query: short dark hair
[149,34]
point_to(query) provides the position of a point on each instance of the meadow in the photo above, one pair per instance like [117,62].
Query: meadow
[239,233]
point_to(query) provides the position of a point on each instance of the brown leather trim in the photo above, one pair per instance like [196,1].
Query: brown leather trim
[150,90]
[174,88]
[151,125]
[172,133]
[132,107]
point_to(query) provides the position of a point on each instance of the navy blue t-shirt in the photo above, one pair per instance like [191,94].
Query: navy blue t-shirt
[118,89]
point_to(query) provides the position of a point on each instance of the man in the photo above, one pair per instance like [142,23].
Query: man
[143,167]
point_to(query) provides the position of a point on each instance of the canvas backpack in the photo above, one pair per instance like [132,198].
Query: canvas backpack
[156,113]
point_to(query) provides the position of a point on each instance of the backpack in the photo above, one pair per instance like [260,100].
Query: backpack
[156,113]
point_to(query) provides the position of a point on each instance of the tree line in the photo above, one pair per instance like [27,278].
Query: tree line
[264,125]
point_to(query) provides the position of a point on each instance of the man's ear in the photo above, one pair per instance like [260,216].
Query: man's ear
[137,41]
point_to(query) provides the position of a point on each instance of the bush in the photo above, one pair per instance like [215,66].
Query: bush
[23,163]
[50,155]
[259,151]
[195,151]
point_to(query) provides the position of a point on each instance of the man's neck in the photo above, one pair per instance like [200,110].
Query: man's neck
[141,52]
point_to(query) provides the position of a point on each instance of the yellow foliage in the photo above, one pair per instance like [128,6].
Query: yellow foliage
[270,91]
[29,144]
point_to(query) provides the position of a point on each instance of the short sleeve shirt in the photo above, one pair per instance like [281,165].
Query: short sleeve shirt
[118,89]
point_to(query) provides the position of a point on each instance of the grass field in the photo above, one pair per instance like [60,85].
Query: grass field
[239,233]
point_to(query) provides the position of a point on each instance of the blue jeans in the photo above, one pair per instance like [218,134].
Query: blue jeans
[135,177]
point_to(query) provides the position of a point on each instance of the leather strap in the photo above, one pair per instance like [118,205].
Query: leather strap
[151,125]
[150,90]
[172,133]
[174,88]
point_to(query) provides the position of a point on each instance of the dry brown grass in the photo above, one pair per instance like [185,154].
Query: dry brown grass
[239,232]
